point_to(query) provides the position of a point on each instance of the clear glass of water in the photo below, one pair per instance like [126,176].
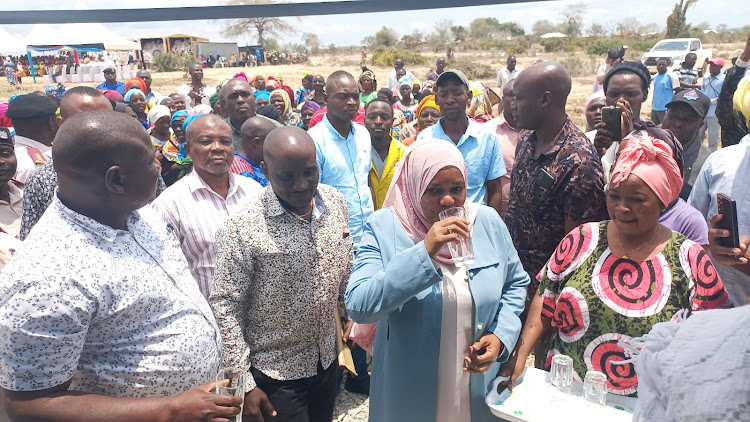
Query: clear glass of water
[595,387]
[461,250]
[235,386]
[561,373]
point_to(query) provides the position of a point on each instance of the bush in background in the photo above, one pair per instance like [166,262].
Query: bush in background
[601,46]
[577,66]
[385,56]
[473,69]
[166,62]
[552,45]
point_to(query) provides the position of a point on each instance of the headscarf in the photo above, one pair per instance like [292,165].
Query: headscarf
[417,83]
[163,101]
[180,113]
[482,100]
[310,105]
[4,120]
[202,109]
[290,93]
[651,160]
[214,98]
[741,99]
[129,94]
[157,112]
[367,73]
[665,135]
[428,85]
[273,84]
[240,75]
[427,101]
[420,164]
[120,107]
[256,77]
[187,122]
[598,94]
[284,96]
[405,80]
[269,111]
[112,95]
[139,82]
[262,94]
[637,68]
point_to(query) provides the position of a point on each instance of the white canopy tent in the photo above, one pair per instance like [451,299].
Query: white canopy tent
[77,34]
[553,35]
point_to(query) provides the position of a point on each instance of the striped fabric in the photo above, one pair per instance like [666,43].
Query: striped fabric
[196,212]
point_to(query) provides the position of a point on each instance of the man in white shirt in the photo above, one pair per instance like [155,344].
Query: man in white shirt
[196,92]
[398,64]
[34,120]
[197,205]
[613,59]
[100,318]
[504,75]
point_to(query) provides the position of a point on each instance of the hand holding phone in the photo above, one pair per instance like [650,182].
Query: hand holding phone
[612,116]
[728,209]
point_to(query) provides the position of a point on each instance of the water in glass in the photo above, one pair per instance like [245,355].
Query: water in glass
[461,250]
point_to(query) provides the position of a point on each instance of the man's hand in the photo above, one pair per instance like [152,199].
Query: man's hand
[483,354]
[254,401]
[727,256]
[200,404]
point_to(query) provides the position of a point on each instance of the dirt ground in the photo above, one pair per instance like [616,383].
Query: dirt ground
[168,82]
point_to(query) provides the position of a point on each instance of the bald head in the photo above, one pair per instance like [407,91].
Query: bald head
[254,132]
[541,92]
[203,122]
[82,98]
[338,78]
[232,85]
[290,165]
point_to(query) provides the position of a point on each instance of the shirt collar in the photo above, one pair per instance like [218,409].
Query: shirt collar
[273,207]
[335,132]
[195,183]
[559,140]
[472,130]
[251,162]
[88,224]
[28,142]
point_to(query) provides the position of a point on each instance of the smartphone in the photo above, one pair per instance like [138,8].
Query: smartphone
[728,208]
[612,116]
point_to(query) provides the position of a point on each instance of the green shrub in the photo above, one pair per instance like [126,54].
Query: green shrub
[491,44]
[577,66]
[166,62]
[552,45]
[515,49]
[602,46]
[473,69]
[385,56]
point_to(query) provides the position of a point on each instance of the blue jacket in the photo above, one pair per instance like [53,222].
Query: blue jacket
[395,283]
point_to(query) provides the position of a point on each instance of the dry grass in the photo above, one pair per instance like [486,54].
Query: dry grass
[167,82]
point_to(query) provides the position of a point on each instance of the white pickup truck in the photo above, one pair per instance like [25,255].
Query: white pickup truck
[675,50]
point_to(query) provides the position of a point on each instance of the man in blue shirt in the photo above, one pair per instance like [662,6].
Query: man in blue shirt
[111,83]
[712,84]
[343,153]
[480,148]
[665,86]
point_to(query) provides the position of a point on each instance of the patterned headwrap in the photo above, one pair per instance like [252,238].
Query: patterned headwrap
[652,161]
[427,101]
[483,98]
[367,73]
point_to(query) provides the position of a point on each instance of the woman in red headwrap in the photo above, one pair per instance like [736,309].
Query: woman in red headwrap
[611,281]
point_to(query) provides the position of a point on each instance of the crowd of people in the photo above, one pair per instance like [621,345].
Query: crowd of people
[149,240]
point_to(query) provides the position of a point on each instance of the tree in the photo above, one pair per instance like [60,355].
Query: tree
[597,30]
[676,21]
[386,37]
[458,33]
[573,19]
[312,42]
[542,27]
[442,31]
[264,27]
[628,27]
[482,28]
[512,27]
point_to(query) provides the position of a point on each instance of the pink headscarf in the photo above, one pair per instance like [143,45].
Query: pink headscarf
[594,96]
[652,161]
[240,75]
[418,167]
[4,120]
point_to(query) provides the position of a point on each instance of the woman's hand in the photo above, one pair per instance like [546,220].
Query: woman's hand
[626,117]
[483,354]
[512,368]
[727,256]
[444,231]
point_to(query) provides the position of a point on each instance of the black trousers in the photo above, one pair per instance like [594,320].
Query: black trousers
[303,400]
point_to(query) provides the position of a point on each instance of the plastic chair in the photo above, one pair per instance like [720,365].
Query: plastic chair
[86,75]
[47,79]
[97,72]
[77,77]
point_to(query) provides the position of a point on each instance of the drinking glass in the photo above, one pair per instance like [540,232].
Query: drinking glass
[235,387]
[461,250]
[561,373]
[595,387]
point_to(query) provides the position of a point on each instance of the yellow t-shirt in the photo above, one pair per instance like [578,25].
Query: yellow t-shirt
[380,183]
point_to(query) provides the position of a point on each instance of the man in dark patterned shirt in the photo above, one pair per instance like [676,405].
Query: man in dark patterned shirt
[557,181]
[39,189]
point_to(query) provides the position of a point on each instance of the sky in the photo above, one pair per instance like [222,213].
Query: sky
[350,29]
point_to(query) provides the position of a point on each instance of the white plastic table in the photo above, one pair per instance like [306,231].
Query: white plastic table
[535,400]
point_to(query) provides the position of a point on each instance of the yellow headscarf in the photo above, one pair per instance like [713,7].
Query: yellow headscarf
[741,98]
[284,96]
[427,101]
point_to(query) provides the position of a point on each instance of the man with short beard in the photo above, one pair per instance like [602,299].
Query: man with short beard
[238,102]
[197,205]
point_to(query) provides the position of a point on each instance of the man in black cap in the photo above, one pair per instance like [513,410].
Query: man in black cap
[33,117]
[626,87]
[685,115]
[480,148]
[111,83]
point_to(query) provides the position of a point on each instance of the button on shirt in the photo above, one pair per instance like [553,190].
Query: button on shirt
[539,205]
[727,171]
[712,88]
[196,212]
[345,164]
[481,151]
[115,310]
[27,164]
[278,281]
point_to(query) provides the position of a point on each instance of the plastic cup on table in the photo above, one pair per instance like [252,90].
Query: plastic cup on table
[234,387]
[595,387]
[561,373]
[461,250]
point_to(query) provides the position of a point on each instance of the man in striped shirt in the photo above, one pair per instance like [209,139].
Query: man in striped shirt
[197,205]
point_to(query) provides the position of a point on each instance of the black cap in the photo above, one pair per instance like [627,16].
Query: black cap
[613,54]
[31,106]
[694,98]
[636,68]
[454,74]
[109,70]
[6,138]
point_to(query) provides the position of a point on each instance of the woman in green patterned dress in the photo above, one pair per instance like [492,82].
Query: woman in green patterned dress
[611,281]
